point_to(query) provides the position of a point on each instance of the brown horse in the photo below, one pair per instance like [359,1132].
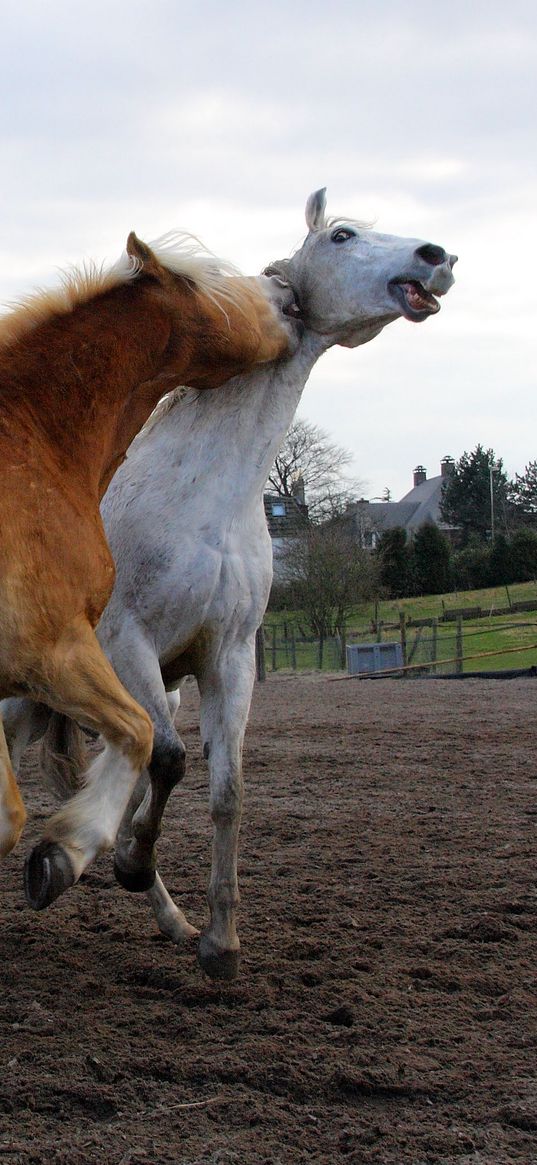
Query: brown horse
[80,371]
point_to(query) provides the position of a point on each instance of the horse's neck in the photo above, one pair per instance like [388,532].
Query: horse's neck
[86,381]
[228,438]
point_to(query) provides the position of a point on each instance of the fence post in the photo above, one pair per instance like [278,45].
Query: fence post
[274,631]
[293,649]
[434,643]
[379,630]
[402,627]
[260,668]
[459,647]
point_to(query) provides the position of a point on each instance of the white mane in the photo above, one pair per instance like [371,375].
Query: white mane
[358,223]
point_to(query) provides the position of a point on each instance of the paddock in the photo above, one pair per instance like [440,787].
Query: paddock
[385,1010]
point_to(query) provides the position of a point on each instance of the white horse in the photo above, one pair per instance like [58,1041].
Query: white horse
[185,521]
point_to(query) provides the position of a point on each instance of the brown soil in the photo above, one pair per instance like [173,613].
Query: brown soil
[385,1010]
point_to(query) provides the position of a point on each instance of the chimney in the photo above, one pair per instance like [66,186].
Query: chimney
[420,475]
[447,466]
[298,491]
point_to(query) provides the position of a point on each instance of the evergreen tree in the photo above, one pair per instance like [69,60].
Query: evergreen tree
[471,566]
[396,561]
[466,495]
[432,558]
[524,555]
[500,562]
[523,495]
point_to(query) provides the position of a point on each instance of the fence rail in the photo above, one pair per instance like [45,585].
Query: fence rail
[427,649]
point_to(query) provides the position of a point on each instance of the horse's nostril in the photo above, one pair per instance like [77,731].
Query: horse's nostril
[432,254]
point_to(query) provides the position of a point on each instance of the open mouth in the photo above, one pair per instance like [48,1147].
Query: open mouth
[294,315]
[292,310]
[415,302]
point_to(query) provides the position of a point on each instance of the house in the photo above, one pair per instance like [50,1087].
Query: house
[286,516]
[421,504]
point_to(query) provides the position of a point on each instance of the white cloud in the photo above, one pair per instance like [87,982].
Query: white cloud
[222,118]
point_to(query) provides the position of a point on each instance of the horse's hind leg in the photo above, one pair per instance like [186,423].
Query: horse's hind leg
[12,811]
[135,858]
[83,685]
[25,721]
[226,692]
[170,919]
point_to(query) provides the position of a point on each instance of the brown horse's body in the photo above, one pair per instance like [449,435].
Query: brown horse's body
[78,379]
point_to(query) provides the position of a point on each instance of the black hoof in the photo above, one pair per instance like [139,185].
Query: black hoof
[134,880]
[47,873]
[217,964]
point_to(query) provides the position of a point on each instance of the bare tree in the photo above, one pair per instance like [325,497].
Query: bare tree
[308,460]
[328,576]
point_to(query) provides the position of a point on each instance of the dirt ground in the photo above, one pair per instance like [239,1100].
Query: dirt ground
[386,1005]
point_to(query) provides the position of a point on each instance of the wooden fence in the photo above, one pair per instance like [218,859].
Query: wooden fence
[425,646]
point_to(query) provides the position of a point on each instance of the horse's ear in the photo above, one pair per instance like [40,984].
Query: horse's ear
[148,263]
[315,208]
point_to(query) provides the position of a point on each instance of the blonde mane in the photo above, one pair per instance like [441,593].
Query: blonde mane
[177,251]
[185,255]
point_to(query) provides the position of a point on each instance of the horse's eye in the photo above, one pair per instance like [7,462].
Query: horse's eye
[342,234]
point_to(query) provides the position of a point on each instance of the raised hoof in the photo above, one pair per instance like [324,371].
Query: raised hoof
[136,881]
[217,964]
[47,873]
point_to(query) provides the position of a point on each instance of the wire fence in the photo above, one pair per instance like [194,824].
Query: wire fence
[431,649]
[285,648]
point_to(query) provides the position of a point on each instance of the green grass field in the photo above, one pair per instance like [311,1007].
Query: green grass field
[491,633]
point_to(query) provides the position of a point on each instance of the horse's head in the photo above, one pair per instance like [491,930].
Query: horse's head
[352,281]
[240,321]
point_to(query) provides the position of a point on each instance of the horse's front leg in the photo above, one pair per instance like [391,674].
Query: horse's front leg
[12,811]
[85,687]
[226,693]
[135,860]
[170,919]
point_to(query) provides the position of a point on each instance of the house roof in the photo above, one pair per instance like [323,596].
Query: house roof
[421,504]
[424,503]
[285,515]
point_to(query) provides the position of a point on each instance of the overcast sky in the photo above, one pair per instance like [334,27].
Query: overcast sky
[222,118]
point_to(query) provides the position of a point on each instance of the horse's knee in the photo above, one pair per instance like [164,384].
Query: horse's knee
[168,760]
[137,742]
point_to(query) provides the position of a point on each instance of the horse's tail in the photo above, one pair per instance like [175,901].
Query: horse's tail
[63,755]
